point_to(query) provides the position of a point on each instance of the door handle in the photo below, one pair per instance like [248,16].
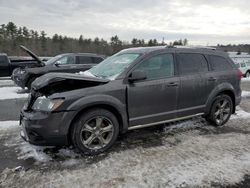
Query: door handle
[212,79]
[172,84]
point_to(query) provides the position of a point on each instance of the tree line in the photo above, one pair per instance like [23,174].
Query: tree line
[11,36]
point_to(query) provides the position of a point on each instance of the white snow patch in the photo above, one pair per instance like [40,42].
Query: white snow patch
[5,125]
[240,114]
[12,93]
[30,151]
[245,94]
[245,79]
[70,162]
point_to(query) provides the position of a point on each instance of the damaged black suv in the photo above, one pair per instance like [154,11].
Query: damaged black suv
[135,88]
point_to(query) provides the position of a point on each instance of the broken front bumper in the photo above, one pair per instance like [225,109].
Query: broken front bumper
[45,129]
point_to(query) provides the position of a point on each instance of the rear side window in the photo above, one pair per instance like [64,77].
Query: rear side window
[192,63]
[85,60]
[219,63]
[97,60]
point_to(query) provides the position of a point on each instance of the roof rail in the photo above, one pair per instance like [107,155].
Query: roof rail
[192,47]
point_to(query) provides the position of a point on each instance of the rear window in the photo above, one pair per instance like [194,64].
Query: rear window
[219,63]
[85,60]
[192,63]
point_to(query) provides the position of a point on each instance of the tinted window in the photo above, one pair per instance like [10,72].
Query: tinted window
[219,63]
[159,66]
[97,60]
[85,60]
[192,63]
[2,59]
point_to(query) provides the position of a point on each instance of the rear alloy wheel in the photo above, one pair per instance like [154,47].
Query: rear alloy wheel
[221,110]
[95,131]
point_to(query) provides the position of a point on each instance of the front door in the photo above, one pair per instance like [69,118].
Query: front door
[154,99]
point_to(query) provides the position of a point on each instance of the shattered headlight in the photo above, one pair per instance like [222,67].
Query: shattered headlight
[46,104]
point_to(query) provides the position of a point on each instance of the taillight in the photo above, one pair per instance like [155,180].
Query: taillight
[240,74]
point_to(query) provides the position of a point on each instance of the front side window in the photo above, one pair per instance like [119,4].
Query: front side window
[219,63]
[66,60]
[159,66]
[192,63]
[113,66]
[52,60]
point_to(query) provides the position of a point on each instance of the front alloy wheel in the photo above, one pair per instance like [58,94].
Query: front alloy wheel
[95,131]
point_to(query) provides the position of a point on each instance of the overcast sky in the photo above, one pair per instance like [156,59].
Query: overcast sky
[201,21]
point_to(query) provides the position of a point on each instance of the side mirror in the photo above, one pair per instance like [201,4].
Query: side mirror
[57,63]
[137,75]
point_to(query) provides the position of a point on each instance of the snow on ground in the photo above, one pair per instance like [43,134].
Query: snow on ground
[12,93]
[245,94]
[245,79]
[5,125]
[180,155]
[6,82]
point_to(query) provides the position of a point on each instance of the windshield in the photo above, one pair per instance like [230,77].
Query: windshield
[111,67]
[53,60]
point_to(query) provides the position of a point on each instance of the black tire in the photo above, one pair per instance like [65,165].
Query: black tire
[221,110]
[30,82]
[247,74]
[85,129]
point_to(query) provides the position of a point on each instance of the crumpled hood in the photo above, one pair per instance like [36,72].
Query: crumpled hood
[53,78]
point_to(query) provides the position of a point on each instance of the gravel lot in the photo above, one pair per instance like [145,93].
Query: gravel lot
[189,153]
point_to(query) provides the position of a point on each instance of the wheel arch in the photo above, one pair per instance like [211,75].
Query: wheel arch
[115,107]
[226,89]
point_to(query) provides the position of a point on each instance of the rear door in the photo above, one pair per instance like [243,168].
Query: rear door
[192,68]
[155,98]
[4,66]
